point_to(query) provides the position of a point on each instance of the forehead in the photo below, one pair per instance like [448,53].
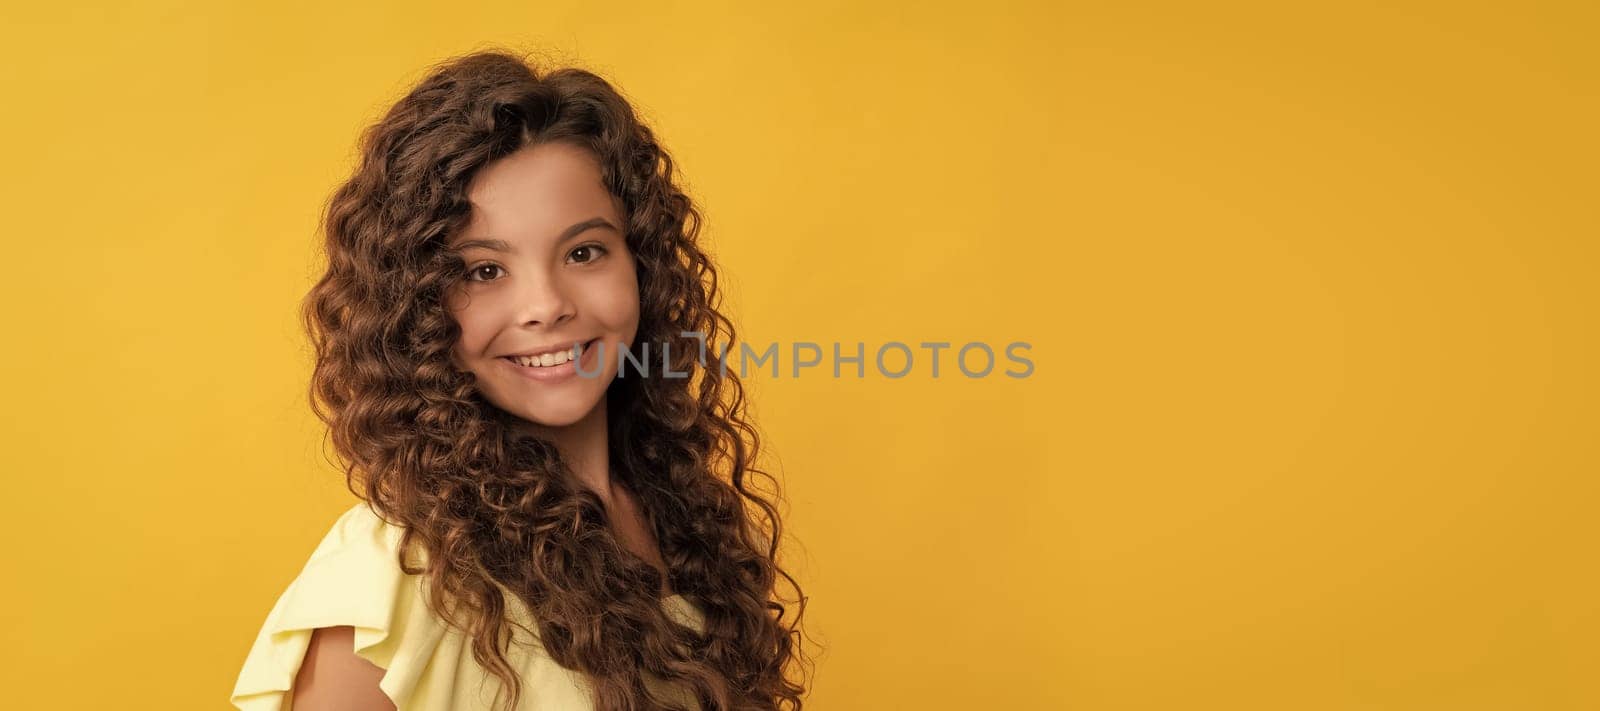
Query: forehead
[536,192]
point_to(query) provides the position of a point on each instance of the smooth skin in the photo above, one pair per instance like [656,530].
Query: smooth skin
[332,677]
[536,276]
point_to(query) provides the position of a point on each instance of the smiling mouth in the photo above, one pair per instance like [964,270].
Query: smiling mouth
[552,360]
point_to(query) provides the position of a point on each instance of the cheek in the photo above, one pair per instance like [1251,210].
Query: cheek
[473,318]
[617,305]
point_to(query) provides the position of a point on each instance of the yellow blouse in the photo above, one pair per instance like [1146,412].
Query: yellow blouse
[353,578]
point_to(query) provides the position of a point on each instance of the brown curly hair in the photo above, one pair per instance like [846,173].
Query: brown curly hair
[491,506]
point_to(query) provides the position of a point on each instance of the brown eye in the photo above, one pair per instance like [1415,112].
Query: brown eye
[589,249]
[476,271]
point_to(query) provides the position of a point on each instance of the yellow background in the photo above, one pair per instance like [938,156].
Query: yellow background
[1310,294]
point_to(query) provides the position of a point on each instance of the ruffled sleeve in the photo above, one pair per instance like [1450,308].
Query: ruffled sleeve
[352,578]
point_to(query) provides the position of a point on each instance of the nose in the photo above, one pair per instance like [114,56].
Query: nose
[543,301]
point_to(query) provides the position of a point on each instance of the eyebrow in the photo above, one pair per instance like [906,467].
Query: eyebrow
[500,245]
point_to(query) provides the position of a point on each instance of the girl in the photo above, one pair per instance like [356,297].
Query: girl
[550,521]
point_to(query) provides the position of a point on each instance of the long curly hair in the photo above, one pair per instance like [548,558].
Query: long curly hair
[493,508]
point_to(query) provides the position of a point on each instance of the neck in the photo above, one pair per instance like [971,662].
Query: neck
[585,447]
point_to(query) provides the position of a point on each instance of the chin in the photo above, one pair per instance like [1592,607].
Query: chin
[560,416]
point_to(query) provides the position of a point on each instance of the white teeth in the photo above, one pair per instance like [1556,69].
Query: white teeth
[548,359]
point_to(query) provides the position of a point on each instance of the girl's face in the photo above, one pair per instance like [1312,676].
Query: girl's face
[547,267]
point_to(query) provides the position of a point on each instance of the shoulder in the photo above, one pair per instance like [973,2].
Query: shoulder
[351,579]
[359,537]
[353,573]
[360,529]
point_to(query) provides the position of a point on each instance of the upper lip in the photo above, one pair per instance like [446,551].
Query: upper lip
[541,350]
